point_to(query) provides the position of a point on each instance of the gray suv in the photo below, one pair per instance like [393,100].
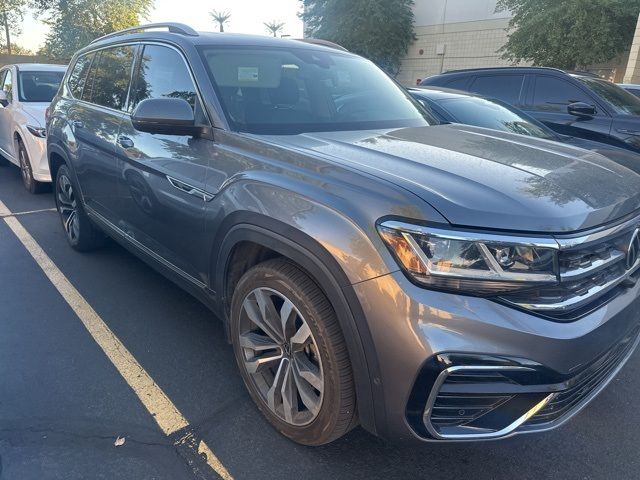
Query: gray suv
[436,282]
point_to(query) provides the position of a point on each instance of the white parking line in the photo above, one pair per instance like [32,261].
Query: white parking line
[164,412]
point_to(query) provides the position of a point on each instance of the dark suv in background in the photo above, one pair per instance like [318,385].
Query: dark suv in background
[438,282]
[579,105]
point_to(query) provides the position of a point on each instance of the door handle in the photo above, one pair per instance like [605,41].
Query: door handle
[77,124]
[190,189]
[125,142]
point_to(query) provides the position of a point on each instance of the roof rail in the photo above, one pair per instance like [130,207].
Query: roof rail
[503,68]
[324,43]
[171,27]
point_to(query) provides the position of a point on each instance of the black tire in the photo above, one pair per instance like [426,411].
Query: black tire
[336,413]
[80,232]
[26,172]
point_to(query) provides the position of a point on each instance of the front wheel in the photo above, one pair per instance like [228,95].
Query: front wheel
[292,354]
[81,233]
[30,183]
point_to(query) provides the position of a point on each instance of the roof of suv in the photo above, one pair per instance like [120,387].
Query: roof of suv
[505,69]
[182,34]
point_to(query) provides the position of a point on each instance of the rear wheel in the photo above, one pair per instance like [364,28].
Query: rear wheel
[81,233]
[292,354]
[31,184]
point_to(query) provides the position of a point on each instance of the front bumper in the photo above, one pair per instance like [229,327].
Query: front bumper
[436,351]
[37,151]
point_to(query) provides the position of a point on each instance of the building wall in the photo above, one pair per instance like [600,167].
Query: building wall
[457,34]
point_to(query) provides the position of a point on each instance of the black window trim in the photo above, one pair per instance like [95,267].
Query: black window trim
[594,98]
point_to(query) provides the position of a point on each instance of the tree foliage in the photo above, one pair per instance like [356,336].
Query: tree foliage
[274,27]
[11,17]
[569,33]
[220,17]
[75,23]
[380,30]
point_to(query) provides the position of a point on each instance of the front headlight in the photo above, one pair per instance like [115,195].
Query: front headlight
[470,262]
[37,131]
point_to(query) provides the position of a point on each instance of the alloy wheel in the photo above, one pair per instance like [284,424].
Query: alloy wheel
[25,170]
[281,356]
[67,207]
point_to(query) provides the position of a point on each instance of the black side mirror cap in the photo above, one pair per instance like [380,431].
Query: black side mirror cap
[168,116]
[581,109]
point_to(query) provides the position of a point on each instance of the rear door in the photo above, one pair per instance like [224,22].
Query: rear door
[162,177]
[551,95]
[508,87]
[95,121]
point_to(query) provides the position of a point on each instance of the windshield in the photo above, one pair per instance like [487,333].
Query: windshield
[290,91]
[490,114]
[623,102]
[38,86]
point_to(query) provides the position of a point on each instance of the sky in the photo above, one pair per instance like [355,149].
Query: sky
[247,16]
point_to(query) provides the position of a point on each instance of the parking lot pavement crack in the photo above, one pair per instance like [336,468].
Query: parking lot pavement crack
[40,432]
[5,214]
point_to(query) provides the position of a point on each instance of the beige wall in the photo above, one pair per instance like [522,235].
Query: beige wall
[466,45]
[633,66]
[471,33]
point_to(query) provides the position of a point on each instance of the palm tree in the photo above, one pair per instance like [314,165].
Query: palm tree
[274,27]
[221,18]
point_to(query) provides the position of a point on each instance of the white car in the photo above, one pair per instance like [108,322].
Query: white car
[25,93]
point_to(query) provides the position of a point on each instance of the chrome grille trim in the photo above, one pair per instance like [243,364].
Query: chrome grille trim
[566,243]
[581,300]
[508,430]
[571,275]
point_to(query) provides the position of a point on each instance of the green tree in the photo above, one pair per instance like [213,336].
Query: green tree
[380,30]
[221,18]
[11,16]
[569,33]
[274,27]
[75,23]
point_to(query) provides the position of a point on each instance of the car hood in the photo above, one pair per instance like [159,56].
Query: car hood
[36,112]
[483,178]
[621,156]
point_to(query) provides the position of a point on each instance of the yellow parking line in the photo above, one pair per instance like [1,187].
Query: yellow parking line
[164,412]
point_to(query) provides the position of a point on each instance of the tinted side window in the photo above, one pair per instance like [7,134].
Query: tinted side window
[554,94]
[7,85]
[503,87]
[458,83]
[78,76]
[163,73]
[111,77]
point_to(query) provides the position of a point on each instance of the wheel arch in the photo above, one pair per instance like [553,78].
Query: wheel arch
[270,238]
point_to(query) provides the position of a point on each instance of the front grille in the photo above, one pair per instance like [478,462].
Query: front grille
[584,384]
[590,274]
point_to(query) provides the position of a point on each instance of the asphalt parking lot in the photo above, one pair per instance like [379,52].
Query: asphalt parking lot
[63,403]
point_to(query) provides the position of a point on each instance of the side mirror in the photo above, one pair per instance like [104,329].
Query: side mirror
[4,100]
[580,109]
[168,116]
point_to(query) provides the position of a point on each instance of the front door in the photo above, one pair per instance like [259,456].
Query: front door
[549,103]
[162,177]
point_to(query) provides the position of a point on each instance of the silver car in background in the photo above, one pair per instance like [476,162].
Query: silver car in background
[26,91]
